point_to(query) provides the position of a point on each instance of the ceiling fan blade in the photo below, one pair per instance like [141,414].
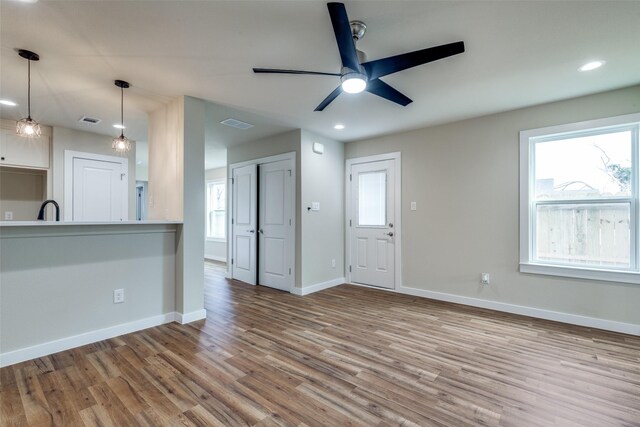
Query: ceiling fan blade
[393,64]
[380,88]
[344,38]
[279,71]
[333,95]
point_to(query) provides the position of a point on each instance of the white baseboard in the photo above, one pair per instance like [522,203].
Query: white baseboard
[318,286]
[191,317]
[573,319]
[215,258]
[44,349]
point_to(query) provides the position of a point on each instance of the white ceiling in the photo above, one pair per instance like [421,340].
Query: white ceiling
[519,53]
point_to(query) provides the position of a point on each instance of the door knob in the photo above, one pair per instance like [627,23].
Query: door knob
[390,225]
[251,231]
[390,234]
[260,231]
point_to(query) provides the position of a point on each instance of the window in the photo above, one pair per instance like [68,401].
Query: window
[579,200]
[216,210]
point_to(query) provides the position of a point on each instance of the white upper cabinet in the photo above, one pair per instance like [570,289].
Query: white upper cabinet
[25,152]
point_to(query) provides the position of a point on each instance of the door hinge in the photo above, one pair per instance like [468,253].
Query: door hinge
[349,267]
[289,271]
[232,262]
[349,223]
[289,221]
[233,181]
[231,221]
[289,172]
[350,177]
[122,175]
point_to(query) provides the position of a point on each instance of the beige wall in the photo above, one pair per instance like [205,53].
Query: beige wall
[464,178]
[58,281]
[87,142]
[215,249]
[322,231]
[22,192]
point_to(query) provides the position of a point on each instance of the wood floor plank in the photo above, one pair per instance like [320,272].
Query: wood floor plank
[344,356]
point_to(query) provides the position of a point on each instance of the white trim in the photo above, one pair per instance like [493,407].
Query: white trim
[318,286]
[581,273]
[291,156]
[215,258]
[191,316]
[44,349]
[573,319]
[397,157]
[69,155]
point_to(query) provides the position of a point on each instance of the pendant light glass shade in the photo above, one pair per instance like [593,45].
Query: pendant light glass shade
[28,127]
[121,144]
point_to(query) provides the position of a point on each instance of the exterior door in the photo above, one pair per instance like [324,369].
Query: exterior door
[99,190]
[372,232]
[244,221]
[276,224]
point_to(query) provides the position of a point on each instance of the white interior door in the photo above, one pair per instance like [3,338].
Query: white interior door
[99,190]
[275,225]
[244,224]
[372,240]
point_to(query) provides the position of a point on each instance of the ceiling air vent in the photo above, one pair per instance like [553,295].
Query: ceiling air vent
[236,124]
[89,120]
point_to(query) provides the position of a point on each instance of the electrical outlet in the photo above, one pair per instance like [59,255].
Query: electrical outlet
[118,296]
[333,263]
[485,278]
[8,216]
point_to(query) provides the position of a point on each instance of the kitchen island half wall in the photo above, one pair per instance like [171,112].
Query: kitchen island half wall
[57,283]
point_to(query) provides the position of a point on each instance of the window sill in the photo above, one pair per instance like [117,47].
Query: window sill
[215,239]
[582,273]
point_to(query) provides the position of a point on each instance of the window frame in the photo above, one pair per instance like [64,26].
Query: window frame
[528,204]
[206,210]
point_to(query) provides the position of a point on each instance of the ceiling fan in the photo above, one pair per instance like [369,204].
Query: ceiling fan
[358,74]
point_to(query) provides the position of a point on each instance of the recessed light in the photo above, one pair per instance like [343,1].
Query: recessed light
[7,103]
[339,126]
[591,65]
[117,126]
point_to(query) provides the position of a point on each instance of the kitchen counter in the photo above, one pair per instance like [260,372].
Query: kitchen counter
[72,223]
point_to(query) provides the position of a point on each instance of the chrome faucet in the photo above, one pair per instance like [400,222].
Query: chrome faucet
[44,205]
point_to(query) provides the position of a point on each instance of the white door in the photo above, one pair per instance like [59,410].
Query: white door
[244,221]
[275,225]
[372,239]
[99,191]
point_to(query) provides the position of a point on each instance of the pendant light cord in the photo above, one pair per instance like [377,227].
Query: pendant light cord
[29,90]
[122,111]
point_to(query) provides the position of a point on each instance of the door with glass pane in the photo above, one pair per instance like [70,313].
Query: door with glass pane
[372,239]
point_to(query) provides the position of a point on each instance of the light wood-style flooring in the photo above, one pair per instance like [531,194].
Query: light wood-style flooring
[344,356]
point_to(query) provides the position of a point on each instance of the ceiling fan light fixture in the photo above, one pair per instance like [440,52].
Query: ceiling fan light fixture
[27,127]
[354,82]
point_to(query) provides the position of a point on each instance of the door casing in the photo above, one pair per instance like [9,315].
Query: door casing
[292,233]
[397,158]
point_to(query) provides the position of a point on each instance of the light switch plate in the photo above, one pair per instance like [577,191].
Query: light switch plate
[315,206]
[414,206]
[8,216]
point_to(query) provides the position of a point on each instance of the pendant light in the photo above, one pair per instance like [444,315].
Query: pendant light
[121,144]
[28,127]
